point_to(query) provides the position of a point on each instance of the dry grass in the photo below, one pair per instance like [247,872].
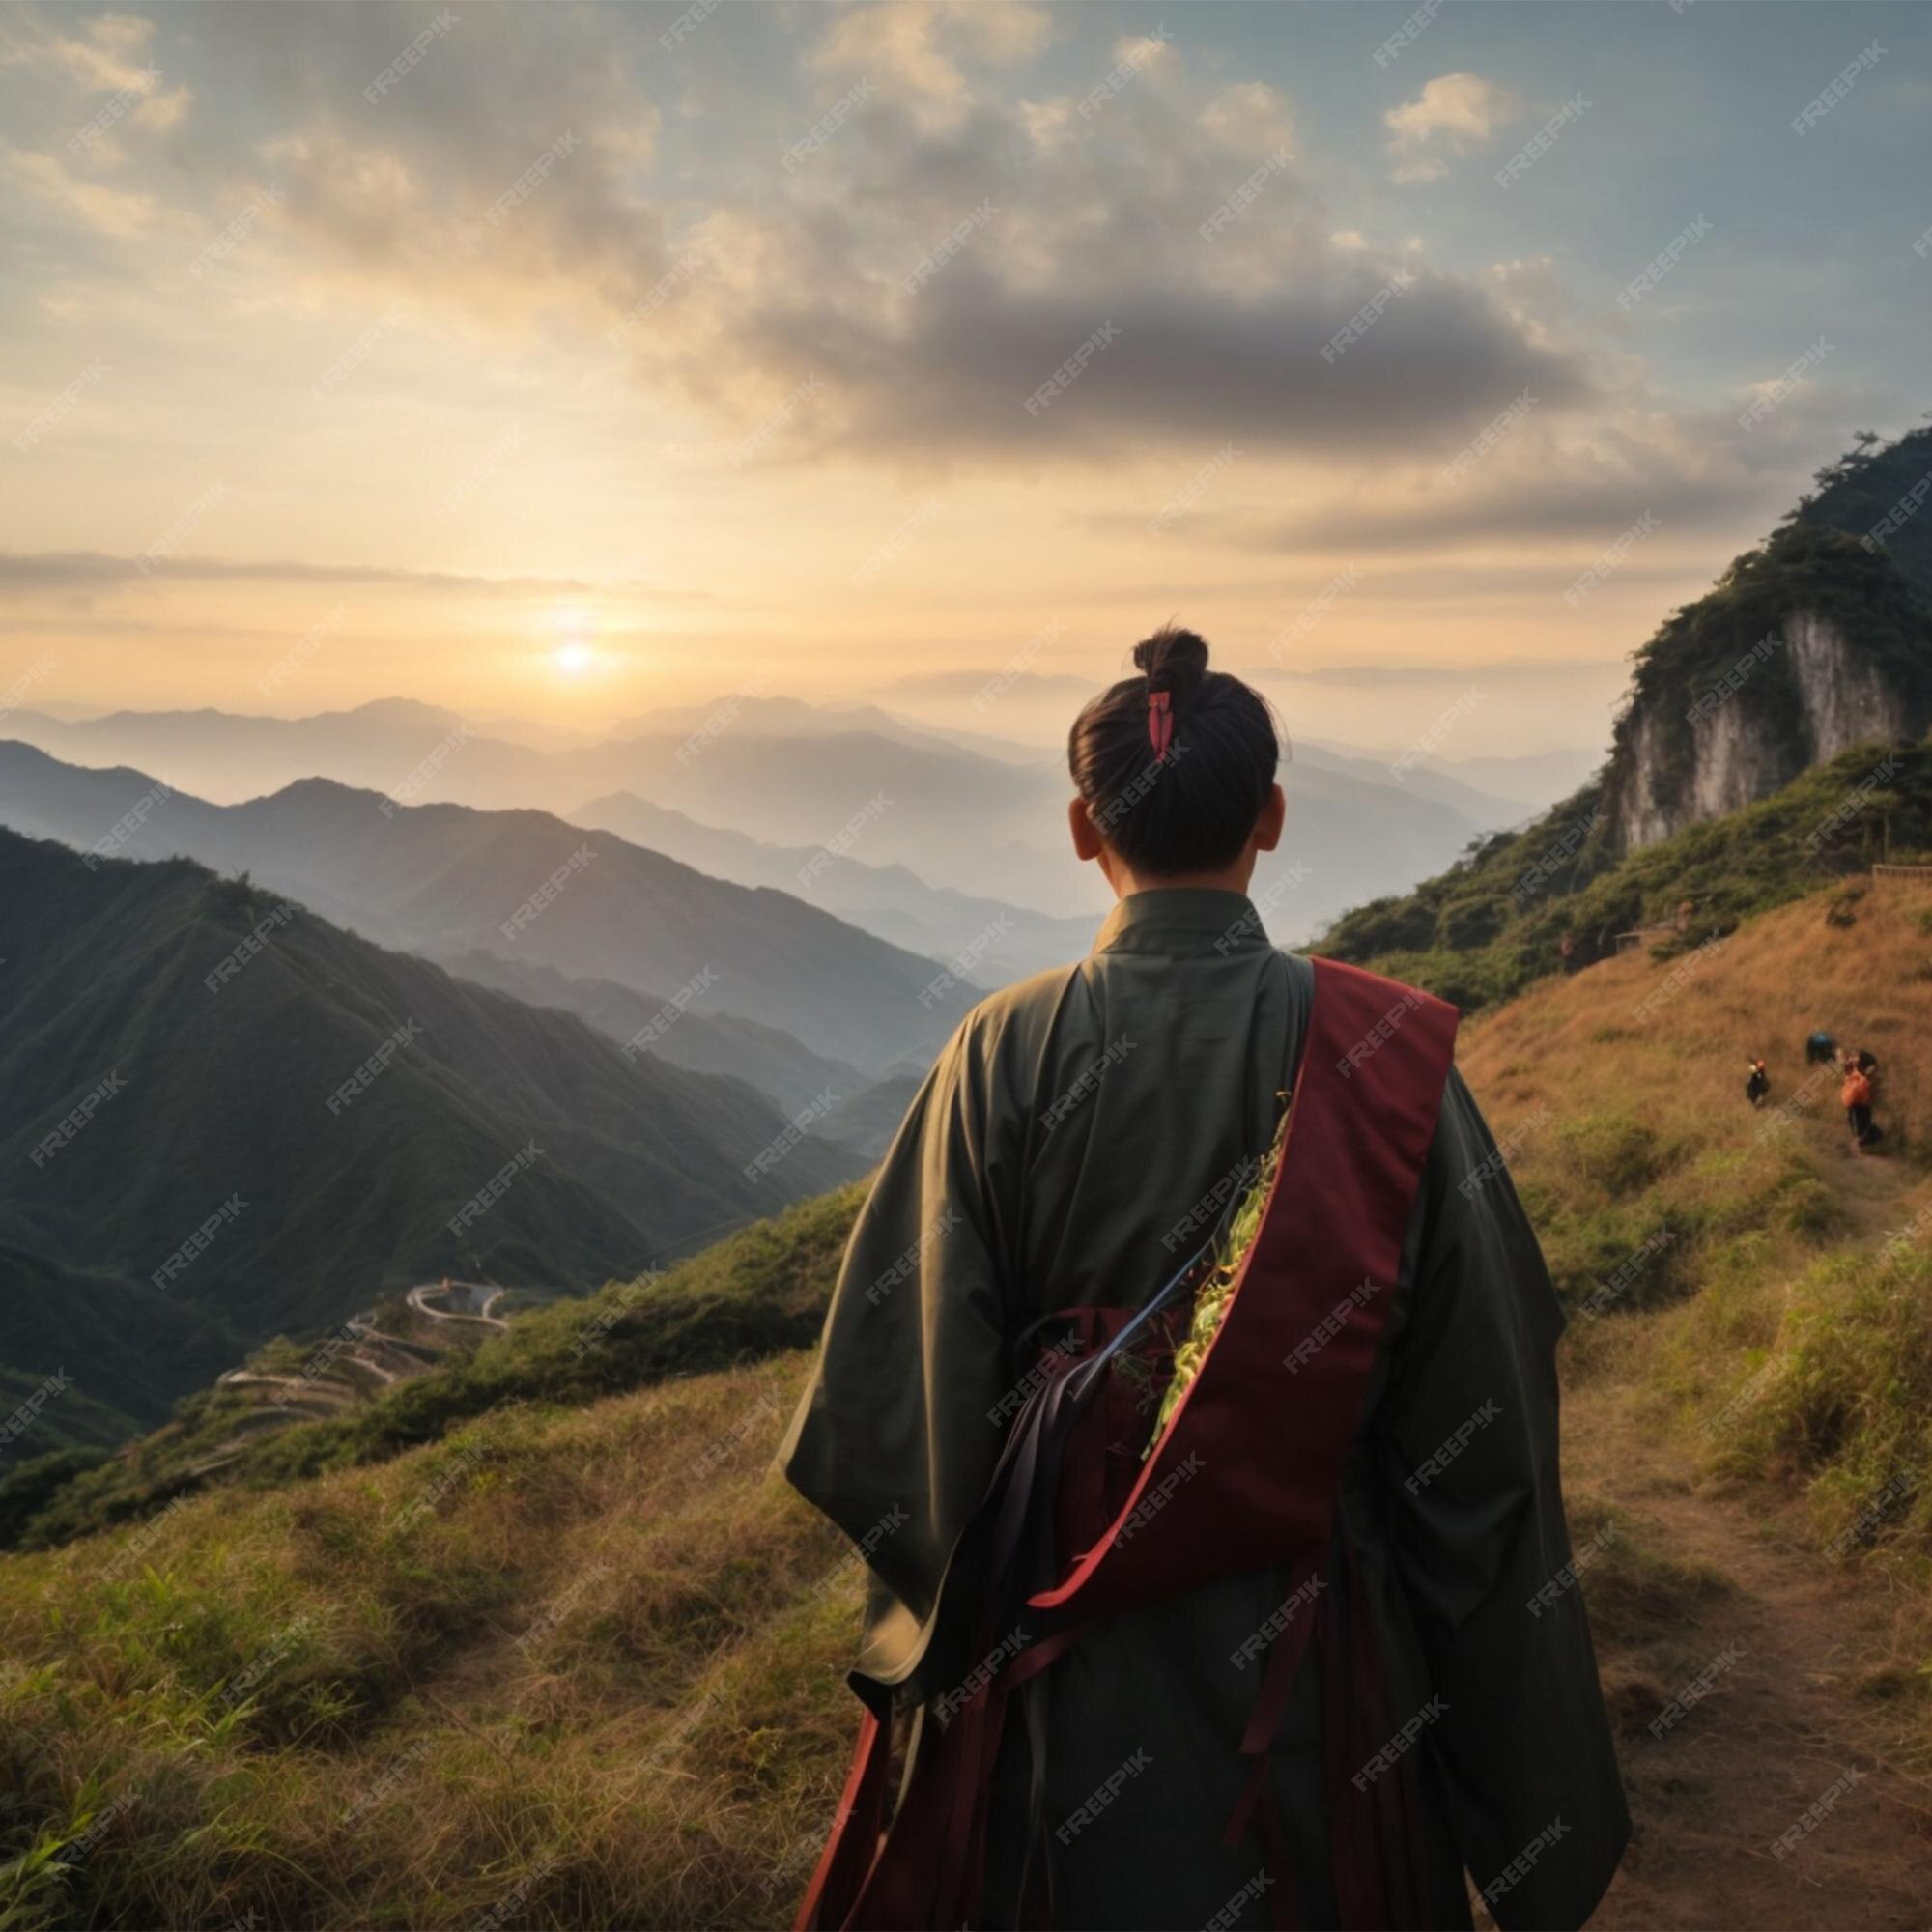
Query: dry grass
[1786,1329]
[1681,1063]
[582,1668]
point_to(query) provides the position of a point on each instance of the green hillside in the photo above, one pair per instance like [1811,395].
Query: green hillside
[1862,490]
[130,1348]
[1494,922]
[225,1119]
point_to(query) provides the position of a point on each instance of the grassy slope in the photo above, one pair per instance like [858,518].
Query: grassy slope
[599,1662]
[1793,1331]
[580,1663]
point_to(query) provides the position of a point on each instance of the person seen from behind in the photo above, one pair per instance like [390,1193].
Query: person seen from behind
[1855,1098]
[1189,1392]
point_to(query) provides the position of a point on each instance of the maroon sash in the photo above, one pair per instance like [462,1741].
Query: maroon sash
[1245,1476]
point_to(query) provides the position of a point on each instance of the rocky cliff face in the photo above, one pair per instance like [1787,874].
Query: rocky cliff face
[1845,698]
[1742,748]
[1814,642]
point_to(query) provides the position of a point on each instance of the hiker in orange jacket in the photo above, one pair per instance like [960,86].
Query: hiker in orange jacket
[1855,1098]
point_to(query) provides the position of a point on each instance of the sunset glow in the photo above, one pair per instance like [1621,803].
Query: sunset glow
[837,345]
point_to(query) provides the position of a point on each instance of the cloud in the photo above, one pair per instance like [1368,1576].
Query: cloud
[1100,207]
[105,57]
[1460,112]
[117,213]
[163,111]
[1103,250]
[918,49]
[1181,369]
[1156,215]
[1568,497]
[392,168]
[85,570]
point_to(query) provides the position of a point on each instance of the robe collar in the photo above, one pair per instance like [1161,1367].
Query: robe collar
[1182,919]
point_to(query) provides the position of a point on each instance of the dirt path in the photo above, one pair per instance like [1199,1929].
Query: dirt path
[418,1301]
[1788,1734]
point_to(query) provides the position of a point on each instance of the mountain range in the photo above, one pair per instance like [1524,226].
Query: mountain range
[980,938]
[236,1106]
[851,800]
[444,879]
[223,1118]
[764,1057]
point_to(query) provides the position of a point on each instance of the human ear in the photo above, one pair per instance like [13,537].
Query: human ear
[1087,839]
[1273,816]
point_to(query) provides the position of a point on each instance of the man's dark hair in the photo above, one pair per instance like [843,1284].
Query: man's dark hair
[1192,811]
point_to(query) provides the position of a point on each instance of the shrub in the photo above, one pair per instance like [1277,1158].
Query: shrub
[1613,1151]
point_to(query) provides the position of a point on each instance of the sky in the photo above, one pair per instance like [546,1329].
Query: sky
[559,362]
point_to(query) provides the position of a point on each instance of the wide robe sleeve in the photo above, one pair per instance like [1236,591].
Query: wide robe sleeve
[1483,1554]
[896,1437]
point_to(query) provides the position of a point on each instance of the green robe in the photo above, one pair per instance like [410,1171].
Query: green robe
[1063,1151]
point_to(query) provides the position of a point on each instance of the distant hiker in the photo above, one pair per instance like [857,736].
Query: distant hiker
[1309,1649]
[1820,1047]
[1757,1084]
[1855,1098]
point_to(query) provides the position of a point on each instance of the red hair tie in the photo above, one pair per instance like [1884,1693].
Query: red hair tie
[1161,723]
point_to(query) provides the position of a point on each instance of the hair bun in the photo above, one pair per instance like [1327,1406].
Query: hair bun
[1174,660]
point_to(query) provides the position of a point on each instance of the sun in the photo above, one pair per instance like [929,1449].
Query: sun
[570,646]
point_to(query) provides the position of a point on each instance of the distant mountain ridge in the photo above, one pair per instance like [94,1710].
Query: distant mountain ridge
[962,813]
[981,939]
[441,879]
[781,717]
[1420,779]
[225,1118]
[231,756]
[762,1056]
